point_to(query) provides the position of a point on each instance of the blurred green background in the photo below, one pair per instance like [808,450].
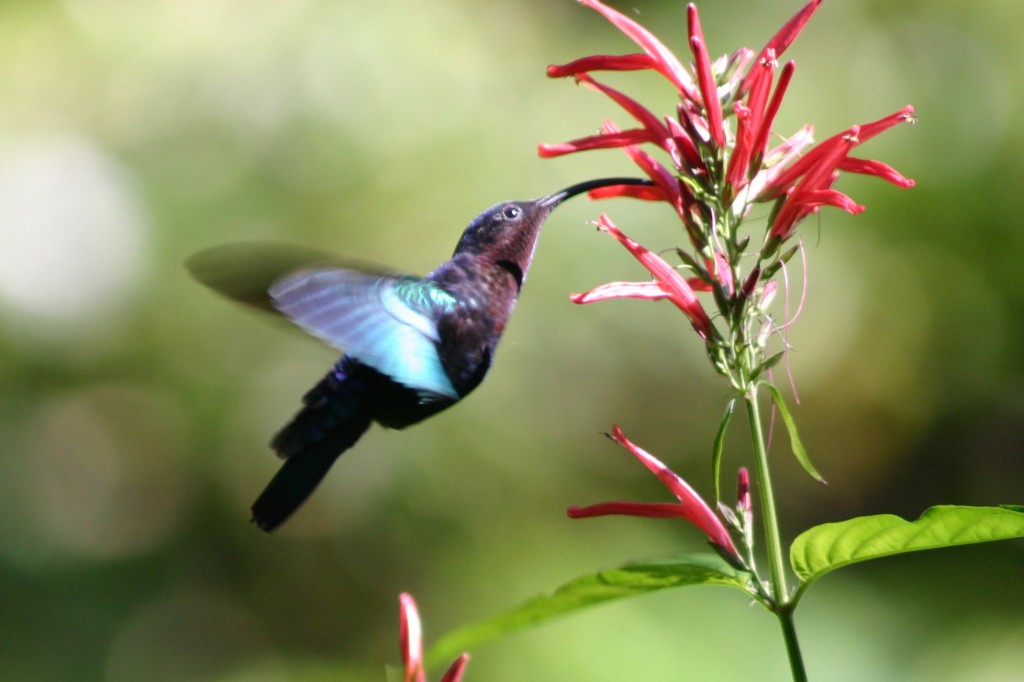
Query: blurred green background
[135,406]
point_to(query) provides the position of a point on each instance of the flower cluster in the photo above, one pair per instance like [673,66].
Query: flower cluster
[721,163]
[717,162]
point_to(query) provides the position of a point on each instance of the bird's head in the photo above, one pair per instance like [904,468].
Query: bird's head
[508,231]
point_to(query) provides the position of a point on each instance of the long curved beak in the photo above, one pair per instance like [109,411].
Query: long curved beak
[555,199]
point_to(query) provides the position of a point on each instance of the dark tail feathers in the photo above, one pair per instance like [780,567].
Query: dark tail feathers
[333,419]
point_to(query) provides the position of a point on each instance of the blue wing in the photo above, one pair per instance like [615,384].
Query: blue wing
[388,322]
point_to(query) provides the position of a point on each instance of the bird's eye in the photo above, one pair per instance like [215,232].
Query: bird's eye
[512,212]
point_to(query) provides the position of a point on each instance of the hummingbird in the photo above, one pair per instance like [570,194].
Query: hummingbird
[413,346]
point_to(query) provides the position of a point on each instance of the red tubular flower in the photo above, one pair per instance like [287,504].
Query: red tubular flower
[777,160]
[621,138]
[706,80]
[815,159]
[785,36]
[757,98]
[626,62]
[739,160]
[653,129]
[690,506]
[410,639]
[743,504]
[684,152]
[651,123]
[410,636]
[720,271]
[750,120]
[813,189]
[662,177]
[652,291]
[869,130]
[744,508]
[807,182]
[668,283]
[876,168]
[664,61]
[457,668]
[764,131]
[644,192]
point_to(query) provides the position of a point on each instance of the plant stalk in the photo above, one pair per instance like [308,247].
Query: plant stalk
[783,607]
[796,661]
[773,541]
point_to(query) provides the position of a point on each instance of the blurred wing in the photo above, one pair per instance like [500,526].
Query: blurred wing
[388,322]
[245,271]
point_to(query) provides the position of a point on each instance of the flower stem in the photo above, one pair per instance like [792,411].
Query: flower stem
[783,607]
[773,542]
[796,661]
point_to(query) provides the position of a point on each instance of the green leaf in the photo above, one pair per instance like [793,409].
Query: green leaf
[716,451]
[794,436]
[590,590]
[825,548]
[768,364]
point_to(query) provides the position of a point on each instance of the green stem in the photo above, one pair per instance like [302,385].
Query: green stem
[783,606]
[796,661]
[773,541]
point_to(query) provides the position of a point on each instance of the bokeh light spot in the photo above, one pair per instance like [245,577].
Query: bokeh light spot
[72,232]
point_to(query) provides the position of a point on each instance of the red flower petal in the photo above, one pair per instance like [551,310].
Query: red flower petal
[665,62]
[719,269]
[823,173]
[454,673]
[697,284]
[642,192]
[621,138]
[670,280]
[789,149]
[764,131]
[410,637]
[626,62]
[817,198]
[819,161]
[645,290]
[787,34]
[750,121]
[648,120]
[778,160]
[876,168]
[705,78]
[661,176]
[688,159]
[804,202]
[739,161]
[815,159]
[743,491]
[654,510]
[692,507]
[869,130]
